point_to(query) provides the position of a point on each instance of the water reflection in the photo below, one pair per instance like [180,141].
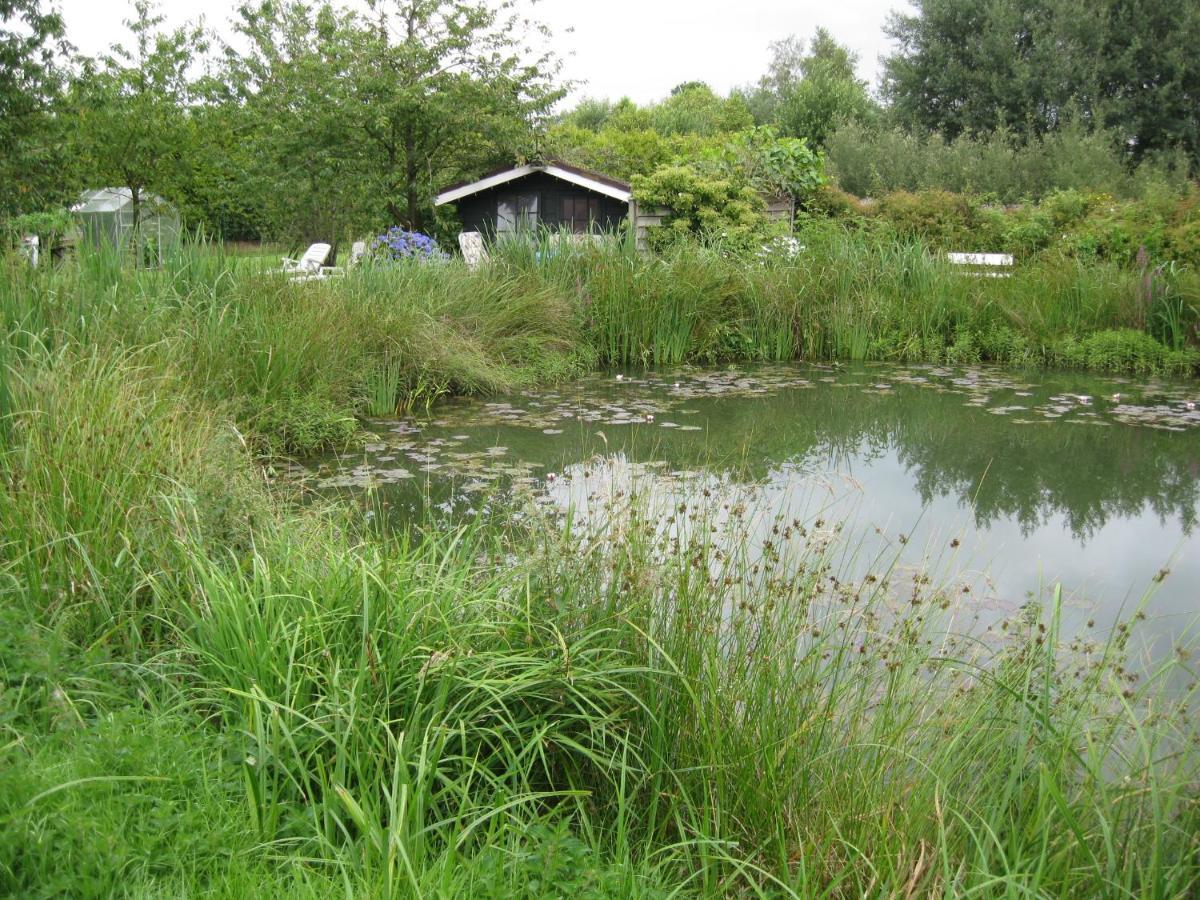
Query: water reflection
[1035,481]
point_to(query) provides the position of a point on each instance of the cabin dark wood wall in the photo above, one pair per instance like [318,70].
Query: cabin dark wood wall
[478,212]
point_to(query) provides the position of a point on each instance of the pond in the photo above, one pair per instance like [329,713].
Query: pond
[1001,485]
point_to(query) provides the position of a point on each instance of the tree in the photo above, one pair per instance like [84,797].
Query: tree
[31,44]
[969,66]
[132,127]
[1027,66]
[694,108]
[590,113]
[810,89]
[1150,75]
[384,106]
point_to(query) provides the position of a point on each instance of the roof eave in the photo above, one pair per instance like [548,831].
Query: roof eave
[499,178]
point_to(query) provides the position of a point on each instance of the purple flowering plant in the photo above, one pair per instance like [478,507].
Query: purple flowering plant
[399,244]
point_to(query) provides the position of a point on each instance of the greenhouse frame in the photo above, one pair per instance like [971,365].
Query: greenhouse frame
[107,217]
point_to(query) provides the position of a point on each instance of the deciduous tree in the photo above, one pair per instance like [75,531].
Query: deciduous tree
[372,111]
[32,46]
[131,127]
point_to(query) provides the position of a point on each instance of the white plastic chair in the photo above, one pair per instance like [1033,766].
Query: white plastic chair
[31,246]
[473,251]
[309,264]
[358,250]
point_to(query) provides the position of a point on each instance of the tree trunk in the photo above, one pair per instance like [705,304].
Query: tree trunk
[135,234]
[410,178]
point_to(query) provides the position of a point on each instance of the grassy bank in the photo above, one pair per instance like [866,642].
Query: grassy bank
[204,690]
[294,364]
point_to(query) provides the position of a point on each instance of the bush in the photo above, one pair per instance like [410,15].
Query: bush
[1124,350]
[939,217]
[715,207]
[870,161]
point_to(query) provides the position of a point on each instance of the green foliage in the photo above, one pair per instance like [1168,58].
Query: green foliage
[384,106]
[50,225]
[693,108]
[131,125]
[207,689]
[938,217]
[84,544]
[1024,65]
[724,209]
[31,70]
[620,152]
[872,161]
[811,91]
[773,165]
[1124,350]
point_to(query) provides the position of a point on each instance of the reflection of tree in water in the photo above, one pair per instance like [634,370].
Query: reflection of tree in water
[1001,468]
[1086,473]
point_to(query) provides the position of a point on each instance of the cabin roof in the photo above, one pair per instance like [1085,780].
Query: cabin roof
[592,181]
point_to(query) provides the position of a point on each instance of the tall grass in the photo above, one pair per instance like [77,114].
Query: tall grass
[295,363]
[206,689]
[637,707]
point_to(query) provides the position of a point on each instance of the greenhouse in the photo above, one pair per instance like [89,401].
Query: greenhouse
[108,216]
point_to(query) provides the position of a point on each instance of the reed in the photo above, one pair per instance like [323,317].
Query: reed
[207,688]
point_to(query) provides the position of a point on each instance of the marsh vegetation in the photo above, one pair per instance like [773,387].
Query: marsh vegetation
[211,686]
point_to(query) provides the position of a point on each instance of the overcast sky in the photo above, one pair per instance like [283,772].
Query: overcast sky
[639,48]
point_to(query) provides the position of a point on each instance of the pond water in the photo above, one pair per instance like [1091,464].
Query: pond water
[1002,485]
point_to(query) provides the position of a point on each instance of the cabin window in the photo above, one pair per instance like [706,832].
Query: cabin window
[516,212]
[579,214]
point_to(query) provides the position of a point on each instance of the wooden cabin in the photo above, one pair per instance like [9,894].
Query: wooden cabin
[550,195]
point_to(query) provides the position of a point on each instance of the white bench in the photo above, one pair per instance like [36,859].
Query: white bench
[986,265]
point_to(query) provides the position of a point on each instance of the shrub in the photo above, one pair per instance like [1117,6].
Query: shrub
[1124,350]
[719,208]
[939,217]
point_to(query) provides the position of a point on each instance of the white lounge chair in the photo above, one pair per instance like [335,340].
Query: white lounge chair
[309,264]
[358,250]
[473,251]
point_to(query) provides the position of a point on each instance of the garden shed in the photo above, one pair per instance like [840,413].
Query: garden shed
[108,216]
[552,195]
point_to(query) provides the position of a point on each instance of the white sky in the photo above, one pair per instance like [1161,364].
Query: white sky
[639,48]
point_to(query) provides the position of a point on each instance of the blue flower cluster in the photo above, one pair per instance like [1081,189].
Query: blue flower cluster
[400,244]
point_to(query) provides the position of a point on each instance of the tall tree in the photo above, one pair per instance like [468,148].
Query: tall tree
[395,101]
[1026,66]
[132,127]
[32,44]
[1150,74]
[810,88]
